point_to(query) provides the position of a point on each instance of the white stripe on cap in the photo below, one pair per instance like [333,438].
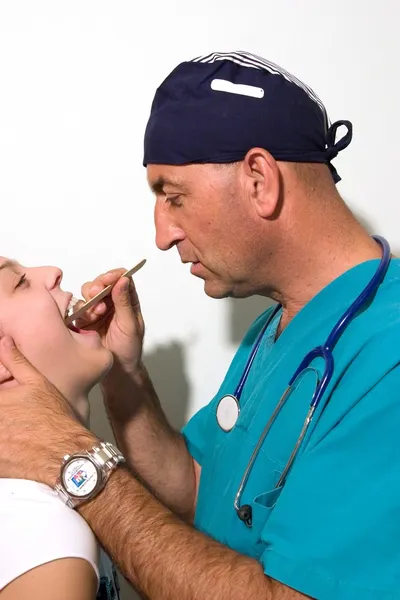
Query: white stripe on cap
[222,85]
[246,59]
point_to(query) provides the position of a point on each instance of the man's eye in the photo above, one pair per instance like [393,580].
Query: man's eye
[174,200]
[23,282]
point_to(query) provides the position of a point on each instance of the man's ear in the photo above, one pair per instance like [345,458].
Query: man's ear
[263,181]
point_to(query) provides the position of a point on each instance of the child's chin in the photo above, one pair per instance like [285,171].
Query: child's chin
[110,362]
[105,366]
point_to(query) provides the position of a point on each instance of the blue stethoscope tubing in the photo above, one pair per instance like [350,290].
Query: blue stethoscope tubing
[325,352]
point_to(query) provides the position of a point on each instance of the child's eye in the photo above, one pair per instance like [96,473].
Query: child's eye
[23,282]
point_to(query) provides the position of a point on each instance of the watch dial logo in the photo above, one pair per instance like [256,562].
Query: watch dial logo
[79,478]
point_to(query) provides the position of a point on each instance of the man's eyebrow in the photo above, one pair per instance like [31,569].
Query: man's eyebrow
[157,187]
[8,264]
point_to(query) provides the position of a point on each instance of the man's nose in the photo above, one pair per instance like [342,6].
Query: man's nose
[168,233]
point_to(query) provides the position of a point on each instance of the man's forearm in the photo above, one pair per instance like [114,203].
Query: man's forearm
[155,452]
[163,557]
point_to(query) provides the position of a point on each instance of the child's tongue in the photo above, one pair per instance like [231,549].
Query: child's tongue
[72,327]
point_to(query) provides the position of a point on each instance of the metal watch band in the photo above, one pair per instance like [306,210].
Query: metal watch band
[62,494]
[106,455]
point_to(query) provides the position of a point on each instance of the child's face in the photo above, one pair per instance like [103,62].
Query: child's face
[32,311]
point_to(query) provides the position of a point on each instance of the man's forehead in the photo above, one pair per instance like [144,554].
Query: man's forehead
[182,177]
[160,176]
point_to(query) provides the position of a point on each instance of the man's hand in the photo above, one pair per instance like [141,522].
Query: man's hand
[152,448]
[5,376]
[37,424]
[118,320]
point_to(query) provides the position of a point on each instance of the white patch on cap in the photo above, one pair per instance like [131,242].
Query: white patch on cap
[222,85]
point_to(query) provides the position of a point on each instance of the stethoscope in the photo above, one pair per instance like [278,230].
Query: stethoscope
[228,408]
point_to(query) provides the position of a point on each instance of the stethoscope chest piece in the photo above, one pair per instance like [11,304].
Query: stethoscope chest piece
[227,412]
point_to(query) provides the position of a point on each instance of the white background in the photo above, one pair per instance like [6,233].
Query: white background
[76,83]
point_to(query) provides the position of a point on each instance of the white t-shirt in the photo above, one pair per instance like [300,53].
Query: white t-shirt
[36,528]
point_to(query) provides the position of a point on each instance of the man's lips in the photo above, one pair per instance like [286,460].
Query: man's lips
[196,268]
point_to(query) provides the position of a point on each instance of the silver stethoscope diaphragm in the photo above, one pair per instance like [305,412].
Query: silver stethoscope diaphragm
[228,411]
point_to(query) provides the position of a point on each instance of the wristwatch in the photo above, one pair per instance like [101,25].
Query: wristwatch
[84,474]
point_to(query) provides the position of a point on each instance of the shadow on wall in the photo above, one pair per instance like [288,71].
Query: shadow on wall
[167,370]
[166,366]
[242,313]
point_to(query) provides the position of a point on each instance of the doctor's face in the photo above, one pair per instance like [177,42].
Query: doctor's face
[32,311]
[204,212]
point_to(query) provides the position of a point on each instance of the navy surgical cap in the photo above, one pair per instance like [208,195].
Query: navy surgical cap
[215,108]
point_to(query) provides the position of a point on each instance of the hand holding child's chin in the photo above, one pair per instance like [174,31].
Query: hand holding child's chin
[37,424]
[6,379]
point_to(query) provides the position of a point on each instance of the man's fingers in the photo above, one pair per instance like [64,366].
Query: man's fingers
[91,288]
[134,297]
[15,362]
[5,374]
[95,316]
[125,297]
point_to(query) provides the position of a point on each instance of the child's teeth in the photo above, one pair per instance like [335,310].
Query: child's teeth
[71,306]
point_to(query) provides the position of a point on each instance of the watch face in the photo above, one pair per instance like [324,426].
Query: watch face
[80,477]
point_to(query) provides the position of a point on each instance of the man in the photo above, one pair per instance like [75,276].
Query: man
[238,154]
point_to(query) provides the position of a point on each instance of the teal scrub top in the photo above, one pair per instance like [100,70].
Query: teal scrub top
[333,530]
